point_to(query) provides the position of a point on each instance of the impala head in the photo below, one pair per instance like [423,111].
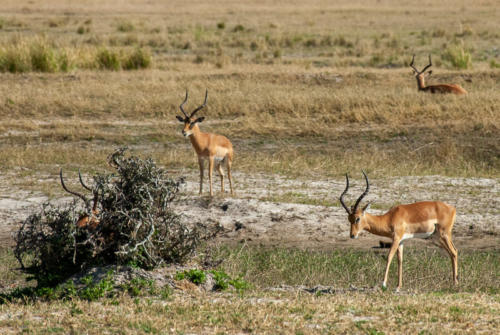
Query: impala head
[84,220]
[356,216]
[190,121]
[420,75]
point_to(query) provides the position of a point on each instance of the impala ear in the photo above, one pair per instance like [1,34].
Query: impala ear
[428,73]
[179,118]
[367,206]
[200,119]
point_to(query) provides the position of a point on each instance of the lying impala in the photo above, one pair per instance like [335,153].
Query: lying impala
[217,149]
[417,220]
[440,88]
[84,221]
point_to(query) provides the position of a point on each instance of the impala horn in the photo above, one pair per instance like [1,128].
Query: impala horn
[363,194]
[343,193]
[200,107]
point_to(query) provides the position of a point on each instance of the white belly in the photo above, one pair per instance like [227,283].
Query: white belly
[416,235]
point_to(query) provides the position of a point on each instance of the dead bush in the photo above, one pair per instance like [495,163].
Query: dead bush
[136,225]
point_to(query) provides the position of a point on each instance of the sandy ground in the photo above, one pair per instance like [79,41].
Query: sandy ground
[250,218]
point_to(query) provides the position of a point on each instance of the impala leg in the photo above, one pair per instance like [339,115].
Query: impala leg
[447,244]
[210,170]
[392,251]
[221,173]
[200,163]
[400,267]
[229,176]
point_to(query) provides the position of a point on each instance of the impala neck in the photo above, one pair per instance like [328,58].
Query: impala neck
[421,81]
[195,137]
[377,224]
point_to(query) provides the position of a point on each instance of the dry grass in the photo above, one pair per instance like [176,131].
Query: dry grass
[279,78]
[263,313]
[427,304]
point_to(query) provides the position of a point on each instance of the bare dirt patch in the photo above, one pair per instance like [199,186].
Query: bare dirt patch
[304,213]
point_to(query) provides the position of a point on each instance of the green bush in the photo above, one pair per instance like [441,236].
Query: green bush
[139,59]
[125,26]
[458,56]
[14,60]
[108,60]
[43,57]
[194,275]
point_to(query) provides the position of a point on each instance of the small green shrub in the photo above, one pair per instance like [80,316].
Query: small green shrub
[108,60]
[221,280]
[239,284]
[494,64]
[125,26]
[458,56]
[43,58]
[139,59]
[95,291]
[80,30]
[221,25]
[238,28]
[14,60]
[194,275]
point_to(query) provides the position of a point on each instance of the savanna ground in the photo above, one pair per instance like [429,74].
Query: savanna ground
[305,91]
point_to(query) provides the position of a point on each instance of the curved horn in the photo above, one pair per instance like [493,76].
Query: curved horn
[363,194]
[200,107]
[71,192]
[411,64]
[428,66]
[182,104]
[343,193]
[81,181]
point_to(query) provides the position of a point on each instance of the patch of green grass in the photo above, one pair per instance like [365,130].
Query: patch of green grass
[108,60]
[139,59]
[458,56]
[424,269]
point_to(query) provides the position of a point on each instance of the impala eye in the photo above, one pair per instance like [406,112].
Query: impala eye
[357,220]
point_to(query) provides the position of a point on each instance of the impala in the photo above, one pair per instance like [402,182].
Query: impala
[84,221]
[418,220]
[217,149]
[440,88]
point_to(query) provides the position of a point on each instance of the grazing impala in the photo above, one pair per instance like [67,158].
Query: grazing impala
[84,221]
[217,149]
[440,88]
[417,220]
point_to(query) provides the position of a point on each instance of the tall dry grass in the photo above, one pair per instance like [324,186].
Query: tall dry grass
[300,89]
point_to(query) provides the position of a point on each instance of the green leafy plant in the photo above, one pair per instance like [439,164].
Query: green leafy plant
[221,280]
[194,275]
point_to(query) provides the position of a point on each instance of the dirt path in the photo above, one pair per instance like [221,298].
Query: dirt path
[286,221]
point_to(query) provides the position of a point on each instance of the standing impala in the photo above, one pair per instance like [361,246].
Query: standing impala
[217,149]
[417,220]
[84,221]
[440,88]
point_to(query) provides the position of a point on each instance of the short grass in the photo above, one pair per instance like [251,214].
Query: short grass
[427,303]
